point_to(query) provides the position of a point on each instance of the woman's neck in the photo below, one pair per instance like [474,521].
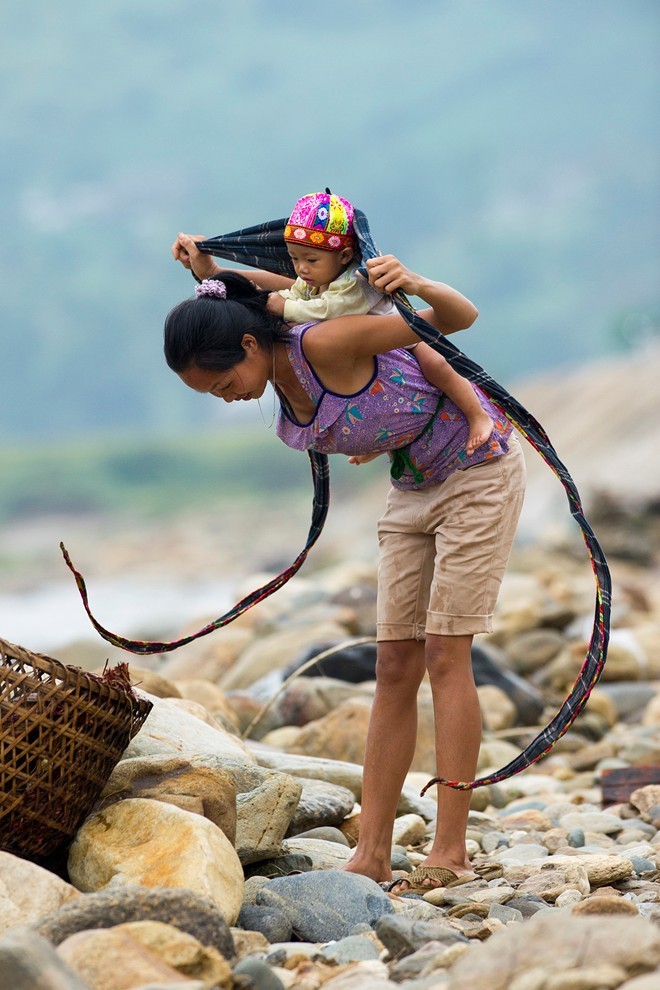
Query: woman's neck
[284,380]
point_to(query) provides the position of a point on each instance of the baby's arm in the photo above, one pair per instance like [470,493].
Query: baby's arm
[343,298]
[440,373]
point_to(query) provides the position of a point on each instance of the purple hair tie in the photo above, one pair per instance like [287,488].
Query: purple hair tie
[211,287]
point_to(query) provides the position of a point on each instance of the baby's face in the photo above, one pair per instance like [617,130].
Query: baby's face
[317,267]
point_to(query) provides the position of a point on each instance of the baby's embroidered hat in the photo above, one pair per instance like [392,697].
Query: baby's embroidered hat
[321,220]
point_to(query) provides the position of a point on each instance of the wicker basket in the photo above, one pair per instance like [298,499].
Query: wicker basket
[62,731]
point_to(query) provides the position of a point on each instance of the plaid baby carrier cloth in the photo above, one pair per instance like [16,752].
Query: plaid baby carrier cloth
[263,247]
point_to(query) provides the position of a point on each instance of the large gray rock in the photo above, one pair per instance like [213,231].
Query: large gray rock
[326,904]
[186,910]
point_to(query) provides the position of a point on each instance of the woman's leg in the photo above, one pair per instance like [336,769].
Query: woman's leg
[390,748]
[457,739]
[475,515]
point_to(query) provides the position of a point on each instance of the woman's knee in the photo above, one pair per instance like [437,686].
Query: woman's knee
[448,656]
[400,661]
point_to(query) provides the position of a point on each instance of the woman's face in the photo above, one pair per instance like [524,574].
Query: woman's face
[246,380]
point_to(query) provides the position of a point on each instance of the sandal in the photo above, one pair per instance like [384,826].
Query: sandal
[441,875]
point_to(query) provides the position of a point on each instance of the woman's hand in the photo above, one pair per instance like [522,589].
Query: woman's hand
[387,274]
[450,311]
[185,250]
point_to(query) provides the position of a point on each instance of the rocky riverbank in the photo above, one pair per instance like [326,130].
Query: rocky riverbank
[213,856]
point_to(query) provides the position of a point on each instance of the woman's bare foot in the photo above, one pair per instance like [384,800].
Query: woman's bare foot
[376,870]
[481,427]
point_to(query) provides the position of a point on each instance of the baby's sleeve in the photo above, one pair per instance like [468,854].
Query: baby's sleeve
[343,298]
[298,291]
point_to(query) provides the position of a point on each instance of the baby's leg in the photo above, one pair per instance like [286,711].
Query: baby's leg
[440,373]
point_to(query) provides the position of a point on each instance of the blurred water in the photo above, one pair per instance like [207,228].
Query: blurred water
[52,615]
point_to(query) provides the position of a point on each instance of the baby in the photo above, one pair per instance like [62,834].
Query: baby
[322,247]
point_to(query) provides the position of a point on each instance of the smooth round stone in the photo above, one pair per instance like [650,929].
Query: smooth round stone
[557,811]
[641,826]
[521,853]
[641,865]
[273,924]
[523,837]
[353,948]
[592,821]
[504,913]
[576,838]
[524,804]
[568,898]
[630,836]
[528,905]
[645,850]
[497,795]
[326,832]
[494,840]
[400,862]
[260,973]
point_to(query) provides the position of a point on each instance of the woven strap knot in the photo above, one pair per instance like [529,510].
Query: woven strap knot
[401,459]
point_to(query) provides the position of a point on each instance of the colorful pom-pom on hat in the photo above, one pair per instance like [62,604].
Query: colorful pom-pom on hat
[321,220]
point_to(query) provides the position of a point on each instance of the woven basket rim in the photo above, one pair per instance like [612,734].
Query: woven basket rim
[49,665]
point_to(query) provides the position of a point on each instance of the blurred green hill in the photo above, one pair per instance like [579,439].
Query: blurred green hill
[508,148]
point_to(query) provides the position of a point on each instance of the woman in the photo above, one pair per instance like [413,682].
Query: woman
[349,386]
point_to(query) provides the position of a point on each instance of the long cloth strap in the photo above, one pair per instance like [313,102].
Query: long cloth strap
[321,482]
[263,246]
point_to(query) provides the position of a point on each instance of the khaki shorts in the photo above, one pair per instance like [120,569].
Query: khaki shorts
[444,549]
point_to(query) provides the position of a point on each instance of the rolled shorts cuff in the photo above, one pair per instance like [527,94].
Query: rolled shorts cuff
[388,631]
[445,624]
[437,624]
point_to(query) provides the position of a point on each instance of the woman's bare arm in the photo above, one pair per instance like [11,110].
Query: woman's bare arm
[450,310]
[342,350]
[202,265]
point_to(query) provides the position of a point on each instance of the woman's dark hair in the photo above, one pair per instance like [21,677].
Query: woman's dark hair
[207,331]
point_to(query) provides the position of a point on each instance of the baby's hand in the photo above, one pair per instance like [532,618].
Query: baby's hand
[275,304]
[363,458]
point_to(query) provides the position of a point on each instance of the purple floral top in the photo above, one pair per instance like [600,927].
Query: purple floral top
[389,412]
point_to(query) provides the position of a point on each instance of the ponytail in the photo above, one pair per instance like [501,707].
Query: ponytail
[207,331]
